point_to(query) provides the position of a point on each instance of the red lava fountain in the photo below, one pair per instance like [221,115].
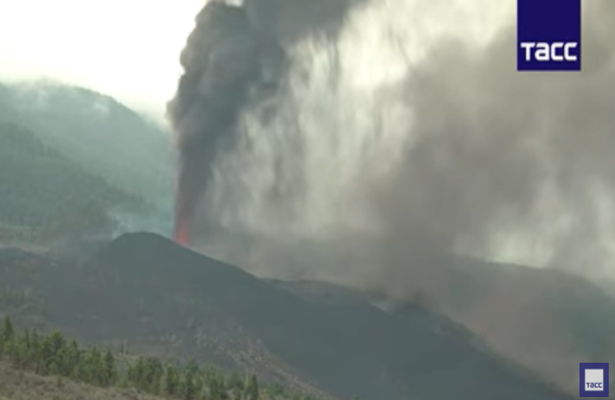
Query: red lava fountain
[182,233]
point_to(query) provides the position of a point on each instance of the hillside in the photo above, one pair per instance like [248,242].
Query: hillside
[45,196]
[167,300]
[98,133]
[28,356]
[544,319]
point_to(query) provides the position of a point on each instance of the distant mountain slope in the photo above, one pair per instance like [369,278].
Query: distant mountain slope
[44,195]
[163,296]
[98,132]
[544,319]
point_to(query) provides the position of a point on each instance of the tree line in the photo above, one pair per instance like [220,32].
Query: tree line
[54,355]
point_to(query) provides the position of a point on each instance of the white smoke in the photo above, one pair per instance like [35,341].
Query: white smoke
[412,126]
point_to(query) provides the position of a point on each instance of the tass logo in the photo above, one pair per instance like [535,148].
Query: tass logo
[594,379]
[549,35]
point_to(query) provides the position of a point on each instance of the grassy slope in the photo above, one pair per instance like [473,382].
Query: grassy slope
[19,385]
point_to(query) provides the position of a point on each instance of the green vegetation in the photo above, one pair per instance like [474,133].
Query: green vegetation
[97,133]
[74,161]
[44,195]
[53,355]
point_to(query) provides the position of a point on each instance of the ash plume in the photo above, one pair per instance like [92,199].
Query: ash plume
[397,139]
[397,134]
[223,59]
[233,57]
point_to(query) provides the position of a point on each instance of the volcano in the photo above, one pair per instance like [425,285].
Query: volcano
[168,300]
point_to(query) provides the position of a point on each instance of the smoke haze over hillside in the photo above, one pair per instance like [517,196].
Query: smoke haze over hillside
[394,133]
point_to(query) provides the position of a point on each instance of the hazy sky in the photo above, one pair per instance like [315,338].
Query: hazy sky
[126,48]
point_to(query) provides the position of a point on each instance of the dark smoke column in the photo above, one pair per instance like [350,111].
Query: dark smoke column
[222,60]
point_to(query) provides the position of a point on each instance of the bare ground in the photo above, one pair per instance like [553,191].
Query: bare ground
[19,385]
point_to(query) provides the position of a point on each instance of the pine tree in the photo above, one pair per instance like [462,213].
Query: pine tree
[54,369]
[8,331]
[69,360]
[276,389]
[153,372]
[34,352]
[191,382]
[171,381]
[136,374]
[252,391]
[18,352]
[215,389]
[109,373]
[53,348]
[90,367]
[234,383]
[82,372]
[26,338]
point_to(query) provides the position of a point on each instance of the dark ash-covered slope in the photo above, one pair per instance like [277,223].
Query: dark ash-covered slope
[163,297]
[354,349]
[544,319]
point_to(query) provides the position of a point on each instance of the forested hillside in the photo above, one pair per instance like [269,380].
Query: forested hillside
[44,195]
[100,135]
[119,373]
[109,156]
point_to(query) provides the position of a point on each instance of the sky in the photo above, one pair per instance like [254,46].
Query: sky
[128,49]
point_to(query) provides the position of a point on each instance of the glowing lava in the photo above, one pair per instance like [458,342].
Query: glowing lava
[182,233]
